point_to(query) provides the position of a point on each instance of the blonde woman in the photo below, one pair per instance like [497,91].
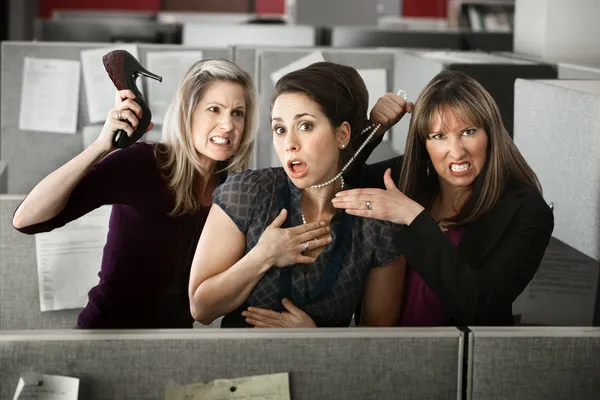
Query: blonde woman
[476,224]
[161,194]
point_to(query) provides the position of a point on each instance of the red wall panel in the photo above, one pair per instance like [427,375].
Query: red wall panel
[269,6]
[425,8]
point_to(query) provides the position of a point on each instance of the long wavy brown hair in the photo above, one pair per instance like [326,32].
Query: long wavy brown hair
[462,95]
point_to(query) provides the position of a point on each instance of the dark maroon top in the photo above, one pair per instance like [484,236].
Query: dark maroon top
[147,257]
[421,305]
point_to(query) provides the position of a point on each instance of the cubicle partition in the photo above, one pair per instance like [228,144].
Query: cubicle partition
[565,70]
[356,363]
[556,129]
[19,290]
[350,36]
[497,74]
[270,61]
[215,34]
[533,363]
[3,177]
[34,154]
[106,29]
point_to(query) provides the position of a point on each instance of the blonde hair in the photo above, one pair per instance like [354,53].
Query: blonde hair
[179,161]
[462,95]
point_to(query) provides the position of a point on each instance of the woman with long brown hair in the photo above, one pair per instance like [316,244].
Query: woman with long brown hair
[477,225]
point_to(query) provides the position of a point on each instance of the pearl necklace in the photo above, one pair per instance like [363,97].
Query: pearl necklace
[345,167]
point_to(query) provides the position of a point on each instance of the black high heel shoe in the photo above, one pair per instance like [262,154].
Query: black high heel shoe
[123,69]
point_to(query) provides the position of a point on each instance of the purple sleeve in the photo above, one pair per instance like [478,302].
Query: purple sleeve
[119,178]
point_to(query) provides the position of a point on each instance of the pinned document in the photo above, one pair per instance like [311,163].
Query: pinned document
[99,89]
[172,66]
[376,82]
[34,386]
[69,259]
[49,95]
[261,387]
[315,56]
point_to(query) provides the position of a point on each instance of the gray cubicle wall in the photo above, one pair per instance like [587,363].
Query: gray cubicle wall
[33,155]
[271,60]
[349,36]
[557,127]
[3,177]
[203,34]
[19,292]
[565,70]
[349,363]
[533,363]
[496,73]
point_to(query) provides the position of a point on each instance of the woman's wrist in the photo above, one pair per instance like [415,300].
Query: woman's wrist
[413,213]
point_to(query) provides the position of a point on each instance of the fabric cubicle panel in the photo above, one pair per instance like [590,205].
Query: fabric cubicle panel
[496,74]
[33,155]
[556,129]
[19,292]
[203,34]
[533,363]
[3,177]
[271,60]
[344,363]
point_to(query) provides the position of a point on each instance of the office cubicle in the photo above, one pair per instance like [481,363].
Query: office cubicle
[107,29]
[565,70]
[533,363]
[203,34]
[556,126]
[497,74]
[268,61]
[356,363]
[32,154]
[349,36]
[558,123]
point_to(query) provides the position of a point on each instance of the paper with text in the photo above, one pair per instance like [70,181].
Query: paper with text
[172,66]
[49,95]
[563,291]
[376,82]
[33,386]
[99,89]
[69,259]
[260,387]
[315,56]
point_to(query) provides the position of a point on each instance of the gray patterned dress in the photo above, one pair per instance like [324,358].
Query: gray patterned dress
[330,289]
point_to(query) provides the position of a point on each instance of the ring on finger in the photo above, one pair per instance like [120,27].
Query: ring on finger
[119,116]
[306,246]
[369,205]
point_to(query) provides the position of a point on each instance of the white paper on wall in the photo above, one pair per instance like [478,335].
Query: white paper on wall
[49,95]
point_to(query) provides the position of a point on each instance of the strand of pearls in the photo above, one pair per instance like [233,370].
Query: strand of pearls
[345,167]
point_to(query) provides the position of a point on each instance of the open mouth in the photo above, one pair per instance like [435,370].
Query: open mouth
[221,140]
[460,169]
[297,167]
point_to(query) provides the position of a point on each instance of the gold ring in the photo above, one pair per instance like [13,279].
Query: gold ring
[119,116]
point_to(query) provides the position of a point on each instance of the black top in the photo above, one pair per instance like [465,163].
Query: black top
[498,255]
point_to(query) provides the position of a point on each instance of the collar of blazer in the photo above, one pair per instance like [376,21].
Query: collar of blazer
[481,236]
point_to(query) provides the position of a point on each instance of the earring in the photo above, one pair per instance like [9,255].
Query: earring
[343,146]
[427,170]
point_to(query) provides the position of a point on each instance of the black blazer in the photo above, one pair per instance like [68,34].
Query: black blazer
[497,256]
